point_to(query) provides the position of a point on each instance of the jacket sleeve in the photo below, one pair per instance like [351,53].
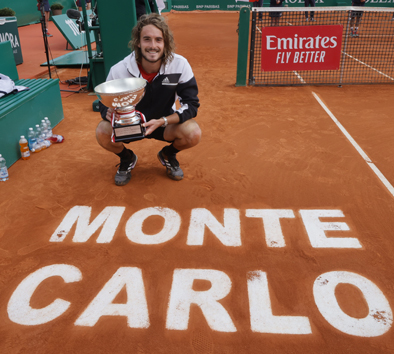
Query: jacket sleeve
[187,92]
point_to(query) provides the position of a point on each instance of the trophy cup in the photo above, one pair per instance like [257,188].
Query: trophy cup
[123,95]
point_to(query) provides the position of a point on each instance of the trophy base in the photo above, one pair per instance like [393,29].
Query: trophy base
[128,132]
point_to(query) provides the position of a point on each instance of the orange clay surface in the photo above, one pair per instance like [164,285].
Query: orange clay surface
[262,149]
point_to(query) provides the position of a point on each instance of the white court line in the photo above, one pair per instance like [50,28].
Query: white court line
[299,77]
[357,147]
[369,66]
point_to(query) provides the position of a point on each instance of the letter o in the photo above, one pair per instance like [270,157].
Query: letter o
[172,223]
[377,322]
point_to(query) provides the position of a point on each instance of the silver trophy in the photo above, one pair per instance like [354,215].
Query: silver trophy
[123,95]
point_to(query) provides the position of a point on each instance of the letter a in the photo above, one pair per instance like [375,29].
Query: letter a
[135,309]
[182,296]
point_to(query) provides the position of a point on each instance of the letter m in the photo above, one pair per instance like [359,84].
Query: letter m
[285,42]
[109,219]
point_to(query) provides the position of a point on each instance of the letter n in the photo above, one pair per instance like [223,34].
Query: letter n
[109,219]
[229,233]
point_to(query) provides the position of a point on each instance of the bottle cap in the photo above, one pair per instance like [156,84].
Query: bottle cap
[22,136]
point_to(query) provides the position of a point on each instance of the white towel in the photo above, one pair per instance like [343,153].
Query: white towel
[7,86]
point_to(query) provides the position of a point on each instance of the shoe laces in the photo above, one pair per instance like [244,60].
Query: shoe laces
[172,161]
[125,165]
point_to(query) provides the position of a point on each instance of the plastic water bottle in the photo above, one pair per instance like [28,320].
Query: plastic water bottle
[3,169]
[31,138]
[25,152]
[44,129]
[40,142]
[49,127]
[44,133]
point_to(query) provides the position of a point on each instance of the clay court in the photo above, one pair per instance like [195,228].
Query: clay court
[278,240]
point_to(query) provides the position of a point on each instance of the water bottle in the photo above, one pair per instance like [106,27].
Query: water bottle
[3,169]
[40,142]
[44,129]
[49,127]
[25,152]
[31,138]
[44,133]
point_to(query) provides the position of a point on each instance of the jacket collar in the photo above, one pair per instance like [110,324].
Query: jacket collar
[132,66]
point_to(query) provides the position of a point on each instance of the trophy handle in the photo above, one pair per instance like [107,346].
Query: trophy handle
[142,116]
[112,124]
[143,119]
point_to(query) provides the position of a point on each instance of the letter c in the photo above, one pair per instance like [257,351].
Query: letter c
[19,309]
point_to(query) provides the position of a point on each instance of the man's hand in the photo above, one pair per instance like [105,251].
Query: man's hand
[152,125]
[109,114]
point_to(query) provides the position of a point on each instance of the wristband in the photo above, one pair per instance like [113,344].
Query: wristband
[165,122]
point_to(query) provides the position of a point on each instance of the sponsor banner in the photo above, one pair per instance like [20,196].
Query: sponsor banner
[228,5]
[209,5]
[301,48]
[9,32]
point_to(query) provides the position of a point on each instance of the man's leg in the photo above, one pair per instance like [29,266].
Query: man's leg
[358,19]
[127,157]
[312,14]
[306,2]
[352,24]
[183,136]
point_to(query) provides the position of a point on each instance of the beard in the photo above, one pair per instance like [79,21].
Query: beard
[150,60]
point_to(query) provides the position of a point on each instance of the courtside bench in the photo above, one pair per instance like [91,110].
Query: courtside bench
[24,109]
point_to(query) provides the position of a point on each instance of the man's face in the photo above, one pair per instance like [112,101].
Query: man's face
[151,44]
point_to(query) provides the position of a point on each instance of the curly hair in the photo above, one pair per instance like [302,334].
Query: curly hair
[159,22]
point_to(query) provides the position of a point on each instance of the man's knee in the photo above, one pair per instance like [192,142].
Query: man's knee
[195,136]
[103,131]
[192,133]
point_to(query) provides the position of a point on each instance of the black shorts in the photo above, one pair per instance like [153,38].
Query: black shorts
[158,134]
[358,14]
[355,14]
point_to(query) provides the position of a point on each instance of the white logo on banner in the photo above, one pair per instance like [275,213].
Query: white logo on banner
[9,37]
[73,26]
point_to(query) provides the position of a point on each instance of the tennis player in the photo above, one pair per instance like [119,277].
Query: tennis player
[170,77]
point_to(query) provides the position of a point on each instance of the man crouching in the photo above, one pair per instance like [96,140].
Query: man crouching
[169,77]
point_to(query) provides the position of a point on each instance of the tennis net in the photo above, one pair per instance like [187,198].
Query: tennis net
[290,46]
